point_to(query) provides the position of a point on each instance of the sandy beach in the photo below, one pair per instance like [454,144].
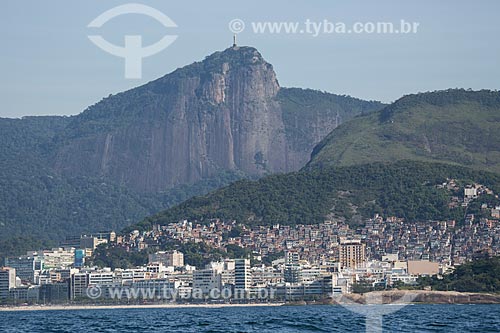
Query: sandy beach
[387,297]
[132,306]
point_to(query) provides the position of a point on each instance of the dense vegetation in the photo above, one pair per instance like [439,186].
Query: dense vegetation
[305,106]
[195,254]
[45,205]
[453,126]
[20,245]
[480,275]
[51,207]
[405,189]
[39,207]
[117,257]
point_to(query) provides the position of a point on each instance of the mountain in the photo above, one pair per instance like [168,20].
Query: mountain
[133,154]
[225,113]
[453,126]
[406,189]
[37,204]
[352,173]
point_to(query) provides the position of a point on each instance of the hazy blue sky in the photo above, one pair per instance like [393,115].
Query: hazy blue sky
[48,65]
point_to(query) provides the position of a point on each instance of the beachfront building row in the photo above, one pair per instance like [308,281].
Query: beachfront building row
[287,278]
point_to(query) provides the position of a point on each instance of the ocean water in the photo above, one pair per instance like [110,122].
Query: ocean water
[413,318]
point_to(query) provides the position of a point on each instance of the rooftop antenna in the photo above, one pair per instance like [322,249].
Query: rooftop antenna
[234,40]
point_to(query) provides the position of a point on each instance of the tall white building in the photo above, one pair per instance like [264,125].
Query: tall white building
[293,271]
[101,278]
[206,280]
[7,281]
[58,258]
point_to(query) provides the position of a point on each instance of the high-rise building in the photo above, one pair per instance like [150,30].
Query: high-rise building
[71,241]
[58,258]
[167,258]
[25,266]
[352,253]
[242,275]
[101,278]
[7,281]
[91,242]
[55,292]
[293,271]
[205,280]
[78,285]
[79,258]
[109,236]
[24,294]
[292,258]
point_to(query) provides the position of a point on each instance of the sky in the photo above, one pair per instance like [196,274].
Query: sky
[48,65]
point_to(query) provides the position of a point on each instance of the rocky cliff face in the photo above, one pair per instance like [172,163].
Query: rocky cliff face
[418,296]
[225,113]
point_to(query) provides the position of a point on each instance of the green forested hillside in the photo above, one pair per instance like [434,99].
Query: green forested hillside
[458,127]
[454,126]
[42,208]
[39,207]
[39,204]
[140,151]
[480,275]
[303,107]
[405,189]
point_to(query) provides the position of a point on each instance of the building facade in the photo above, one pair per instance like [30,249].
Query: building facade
[352,254]
[168,258]
[7,281]
[242,275]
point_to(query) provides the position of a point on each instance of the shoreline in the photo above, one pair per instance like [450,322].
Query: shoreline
[129,306]
[384,297]
[426,297]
